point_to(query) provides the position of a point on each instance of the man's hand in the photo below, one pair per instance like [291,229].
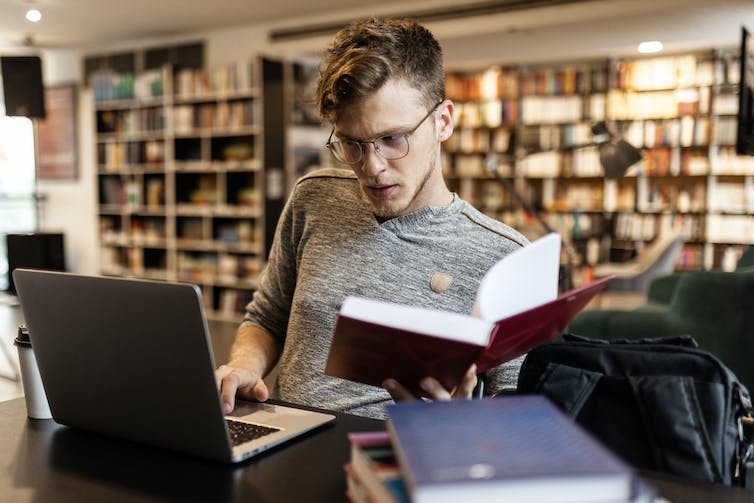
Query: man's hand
[252,355]
[432,389]
[233,380]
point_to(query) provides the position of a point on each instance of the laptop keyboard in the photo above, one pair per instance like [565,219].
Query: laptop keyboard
[241,432]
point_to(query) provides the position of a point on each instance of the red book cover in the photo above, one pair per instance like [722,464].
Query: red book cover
[376,340]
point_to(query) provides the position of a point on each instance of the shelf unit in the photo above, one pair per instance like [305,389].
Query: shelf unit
[181,179]
[681,110]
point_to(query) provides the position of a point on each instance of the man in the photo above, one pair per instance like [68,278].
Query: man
[387,228]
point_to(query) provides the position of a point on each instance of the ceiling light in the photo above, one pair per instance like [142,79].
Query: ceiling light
[650,47]
[33,15]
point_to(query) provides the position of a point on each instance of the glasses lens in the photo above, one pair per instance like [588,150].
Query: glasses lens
[346,151]
[392,147]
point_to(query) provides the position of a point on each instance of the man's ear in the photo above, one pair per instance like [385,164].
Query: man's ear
[445,120]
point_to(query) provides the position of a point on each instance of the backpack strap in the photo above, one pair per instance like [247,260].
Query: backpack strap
[568,387]
[673,418]
[743,474]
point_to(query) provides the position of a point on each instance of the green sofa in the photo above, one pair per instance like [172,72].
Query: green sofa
[715,307]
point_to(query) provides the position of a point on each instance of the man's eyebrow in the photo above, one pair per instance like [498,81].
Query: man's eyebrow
[388,132]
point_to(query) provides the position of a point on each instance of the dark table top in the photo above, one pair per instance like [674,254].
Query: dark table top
[41,461]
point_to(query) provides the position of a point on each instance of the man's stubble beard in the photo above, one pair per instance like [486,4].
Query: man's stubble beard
[387,213]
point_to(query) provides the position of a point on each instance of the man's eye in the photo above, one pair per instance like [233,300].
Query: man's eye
[392,141]
[351,146]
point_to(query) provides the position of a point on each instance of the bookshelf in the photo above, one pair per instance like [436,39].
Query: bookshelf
[181,178]
[680,109]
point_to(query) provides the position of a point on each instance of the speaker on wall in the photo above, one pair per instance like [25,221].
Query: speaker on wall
[23,86]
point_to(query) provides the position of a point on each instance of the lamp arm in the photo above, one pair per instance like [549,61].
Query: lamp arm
[566,272]
[520,199]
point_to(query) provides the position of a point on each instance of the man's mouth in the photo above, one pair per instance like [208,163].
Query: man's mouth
[381,191]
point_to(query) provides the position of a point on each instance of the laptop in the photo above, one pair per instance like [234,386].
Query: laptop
[132,359]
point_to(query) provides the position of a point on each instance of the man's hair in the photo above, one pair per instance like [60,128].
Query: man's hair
[366,54]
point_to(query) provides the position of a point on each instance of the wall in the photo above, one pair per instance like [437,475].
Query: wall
[544,35]
[71,204]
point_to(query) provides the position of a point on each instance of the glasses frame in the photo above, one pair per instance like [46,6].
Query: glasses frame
[332,145]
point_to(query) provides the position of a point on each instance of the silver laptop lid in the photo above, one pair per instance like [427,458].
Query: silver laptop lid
[108,349]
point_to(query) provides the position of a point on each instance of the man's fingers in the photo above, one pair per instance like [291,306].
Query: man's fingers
[228,388]
[260,391]
[468,383]
[398,392]
[434,389]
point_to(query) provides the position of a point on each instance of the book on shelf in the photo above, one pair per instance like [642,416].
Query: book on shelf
[513,448]
[375,340]
[373,472]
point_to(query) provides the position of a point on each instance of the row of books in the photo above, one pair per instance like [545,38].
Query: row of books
[723,257]
[495,82]
[620,105]
[187,118]
[134,260]
[738,229]
[691,258]
[469,140]
[230,150]
[645,227]
[121,154]
[206,267]
[686,131]
[665,161]
[109,85]
[579,162]
[515,448]
[120,191]
[552,109]
[488,113]
[731,197]
[198,229]
[227,79]
[628,105]
[131,121]
[724,161]
[676,72]
[651,74]
[555,136]
[674,196]
[509,82]
[562,189]
[230,301]
[223,115]
[582,80]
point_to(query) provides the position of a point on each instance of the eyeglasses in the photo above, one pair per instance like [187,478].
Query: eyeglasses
[389,147]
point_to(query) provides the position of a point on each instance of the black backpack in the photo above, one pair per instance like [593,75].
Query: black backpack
[661,404]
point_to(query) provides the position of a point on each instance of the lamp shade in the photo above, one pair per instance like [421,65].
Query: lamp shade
[616,156]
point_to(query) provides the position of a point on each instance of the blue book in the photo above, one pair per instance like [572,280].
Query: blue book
[513,448]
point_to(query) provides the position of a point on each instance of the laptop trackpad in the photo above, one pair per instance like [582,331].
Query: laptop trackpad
[278,416]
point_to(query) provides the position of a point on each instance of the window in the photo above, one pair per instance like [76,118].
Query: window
[18,211]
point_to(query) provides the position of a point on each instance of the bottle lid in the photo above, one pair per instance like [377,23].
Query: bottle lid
[22,338]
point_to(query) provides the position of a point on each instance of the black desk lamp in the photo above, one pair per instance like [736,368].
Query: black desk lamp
[616,156]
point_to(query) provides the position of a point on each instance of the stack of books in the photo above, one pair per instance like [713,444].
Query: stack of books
[513,448]
[372,474]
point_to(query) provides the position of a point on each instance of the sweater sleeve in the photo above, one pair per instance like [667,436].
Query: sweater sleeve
[271,303]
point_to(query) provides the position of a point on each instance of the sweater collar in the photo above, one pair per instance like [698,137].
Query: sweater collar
[425,215]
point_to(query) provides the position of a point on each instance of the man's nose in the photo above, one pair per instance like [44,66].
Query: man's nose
[372,161]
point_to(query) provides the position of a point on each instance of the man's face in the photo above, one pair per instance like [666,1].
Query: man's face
[400,186]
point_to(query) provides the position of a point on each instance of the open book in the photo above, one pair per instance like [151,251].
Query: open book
[516,308]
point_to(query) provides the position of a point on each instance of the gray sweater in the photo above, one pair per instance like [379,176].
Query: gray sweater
[328,245]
